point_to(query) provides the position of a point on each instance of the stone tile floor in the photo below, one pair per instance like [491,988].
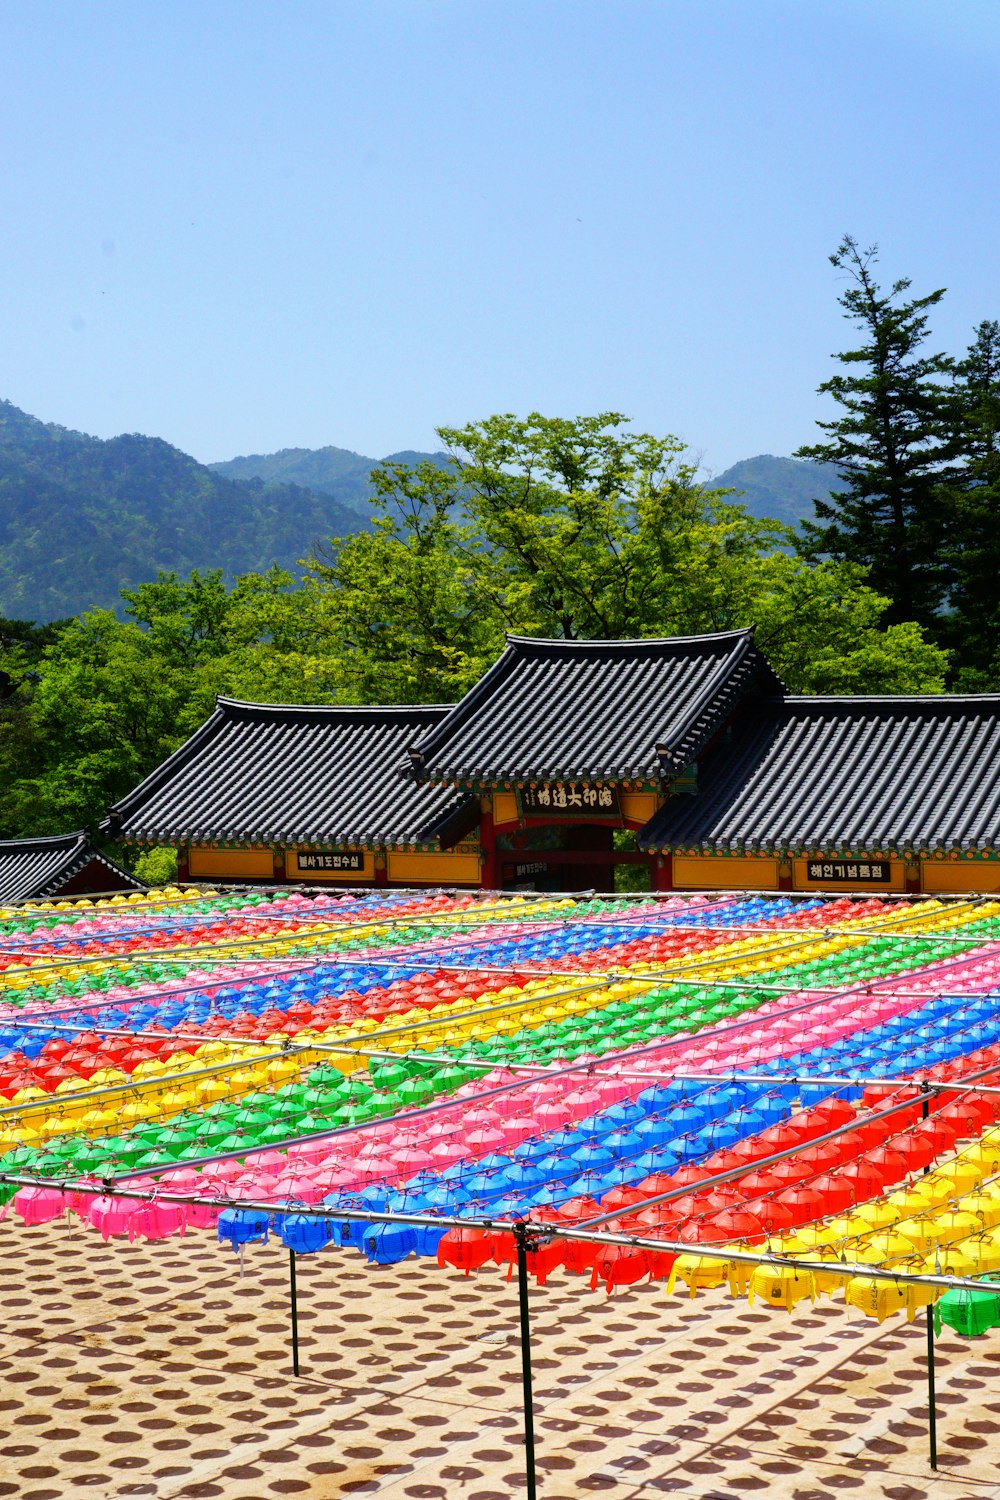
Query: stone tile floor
[157,1370]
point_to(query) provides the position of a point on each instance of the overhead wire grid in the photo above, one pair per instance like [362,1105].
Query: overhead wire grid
[791,1098]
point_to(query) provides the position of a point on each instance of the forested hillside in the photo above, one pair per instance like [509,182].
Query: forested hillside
[779,489]
[541,526]
[81,518]
[582,529]
[333,471]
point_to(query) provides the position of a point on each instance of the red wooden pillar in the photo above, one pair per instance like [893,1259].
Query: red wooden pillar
[663,872]
[487,846]
[183,863]
[381,876]
[785,875]
[278,873]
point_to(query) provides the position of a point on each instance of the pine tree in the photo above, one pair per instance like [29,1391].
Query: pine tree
[971,501]
[891,443]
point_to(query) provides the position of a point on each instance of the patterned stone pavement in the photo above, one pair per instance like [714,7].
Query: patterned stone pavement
[158,1370]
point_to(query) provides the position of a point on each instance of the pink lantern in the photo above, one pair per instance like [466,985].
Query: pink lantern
[297,1187]
[39,1205]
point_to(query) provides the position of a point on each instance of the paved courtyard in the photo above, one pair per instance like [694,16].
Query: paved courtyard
[156,1370]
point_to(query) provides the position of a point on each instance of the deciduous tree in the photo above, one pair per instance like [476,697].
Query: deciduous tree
[581,529]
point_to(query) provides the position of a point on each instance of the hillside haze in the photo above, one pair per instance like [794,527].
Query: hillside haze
[83,517]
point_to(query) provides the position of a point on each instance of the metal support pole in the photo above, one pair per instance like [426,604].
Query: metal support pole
[925,1109]
[932,1424]
[295,1313]
[521,1241]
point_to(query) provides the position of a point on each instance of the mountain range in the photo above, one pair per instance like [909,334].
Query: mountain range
[82,517]
[779,489]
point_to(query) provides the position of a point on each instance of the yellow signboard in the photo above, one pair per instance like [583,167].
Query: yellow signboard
[633,808]
[848,874]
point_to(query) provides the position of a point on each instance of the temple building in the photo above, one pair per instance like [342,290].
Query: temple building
[311,795]
[679,764]
[567,744]
[886,794]
[47,869]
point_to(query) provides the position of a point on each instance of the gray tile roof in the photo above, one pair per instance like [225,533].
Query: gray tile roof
[33,869]
[857,774]
[593,710]
[262,773]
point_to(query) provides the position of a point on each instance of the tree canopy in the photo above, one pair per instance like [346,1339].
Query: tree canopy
[970,504]
[581,529]
[91,711]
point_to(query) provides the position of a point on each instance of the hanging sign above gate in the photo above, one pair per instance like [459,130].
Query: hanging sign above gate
[569,799]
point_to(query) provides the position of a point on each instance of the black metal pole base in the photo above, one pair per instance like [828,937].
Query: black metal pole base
[931,1406]
[295,1313]
[521,1240]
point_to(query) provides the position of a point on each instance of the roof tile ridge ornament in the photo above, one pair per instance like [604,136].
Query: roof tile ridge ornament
[327,710]
[890,700]
[416,767]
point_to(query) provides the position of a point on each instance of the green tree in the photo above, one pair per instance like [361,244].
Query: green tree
[971,503]
[541,526]
[823,630]
[259,639]
[580,529]
[891,443]
[572,518]
[402,605]
[92,712]
[156,866]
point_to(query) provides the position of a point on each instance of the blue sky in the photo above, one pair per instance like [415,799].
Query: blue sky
[247,226]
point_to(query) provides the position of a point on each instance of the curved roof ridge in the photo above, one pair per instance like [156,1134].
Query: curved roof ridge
[37,868]
[223,701]
[710,688]
[852,773]
[623,643]
[45,840]
[263,774]
[796,700]
[163,771]
[594,710]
